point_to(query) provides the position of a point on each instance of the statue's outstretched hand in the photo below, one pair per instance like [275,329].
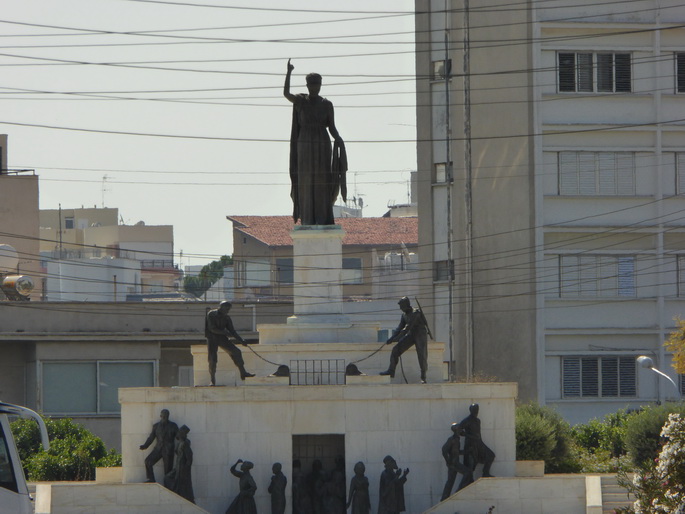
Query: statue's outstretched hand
[290,66]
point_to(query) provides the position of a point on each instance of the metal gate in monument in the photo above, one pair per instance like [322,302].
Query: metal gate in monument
[317,372]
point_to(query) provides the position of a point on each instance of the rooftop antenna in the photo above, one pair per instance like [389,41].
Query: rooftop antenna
[104,188]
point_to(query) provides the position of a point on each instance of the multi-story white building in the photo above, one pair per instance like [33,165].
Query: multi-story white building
[89,256]
[551,158]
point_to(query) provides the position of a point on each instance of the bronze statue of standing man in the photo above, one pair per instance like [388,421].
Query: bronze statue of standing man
[317,174]
[163,434]
[412,331]
[218,328]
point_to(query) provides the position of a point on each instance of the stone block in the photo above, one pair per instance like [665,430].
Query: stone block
[530,468]
[143,494]
[267,381]
[109,475]
[547,488]
[371,392]
[367,380]
[94,495]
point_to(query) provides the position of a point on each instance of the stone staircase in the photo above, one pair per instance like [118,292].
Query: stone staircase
[613,495]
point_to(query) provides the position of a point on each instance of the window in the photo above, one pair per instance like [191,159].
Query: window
[680,72]
[441,173]
[441,271]
[680,263]
[91,387]
[596,173]
[352,270]
[68,222]
[680,173]
[587,72]
[598,377]
[596,275]
[438,72]
[284,271]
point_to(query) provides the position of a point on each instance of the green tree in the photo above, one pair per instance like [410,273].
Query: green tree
[74,451]
[676,344]
[207,277]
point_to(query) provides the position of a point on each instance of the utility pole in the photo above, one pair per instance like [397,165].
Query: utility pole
[447,68]
[468,196]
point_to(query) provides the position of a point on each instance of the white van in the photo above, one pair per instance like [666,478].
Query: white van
[14,493]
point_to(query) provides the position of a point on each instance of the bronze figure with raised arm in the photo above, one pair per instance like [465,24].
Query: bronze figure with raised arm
[317,174]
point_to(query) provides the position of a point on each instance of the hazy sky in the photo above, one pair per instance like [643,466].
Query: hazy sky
[173,111]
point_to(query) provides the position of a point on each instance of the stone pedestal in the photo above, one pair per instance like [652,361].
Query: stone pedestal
[317,274]
[317,293]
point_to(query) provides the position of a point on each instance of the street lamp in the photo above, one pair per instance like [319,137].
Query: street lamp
[647,362]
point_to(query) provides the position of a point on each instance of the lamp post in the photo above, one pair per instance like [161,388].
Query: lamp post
[648,363]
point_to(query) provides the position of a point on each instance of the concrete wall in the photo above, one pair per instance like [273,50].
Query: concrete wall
[501,306]
[552,494]
[257,423]
[19,224]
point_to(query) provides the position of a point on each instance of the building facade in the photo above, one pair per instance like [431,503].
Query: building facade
[92,240]
[379,257]
[551,162]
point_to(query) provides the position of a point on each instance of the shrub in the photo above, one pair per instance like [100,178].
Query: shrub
[643,432]
[74,451]
[560,459]
[606,436]
[534,437]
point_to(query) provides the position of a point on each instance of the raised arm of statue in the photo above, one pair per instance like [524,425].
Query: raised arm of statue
[286,86]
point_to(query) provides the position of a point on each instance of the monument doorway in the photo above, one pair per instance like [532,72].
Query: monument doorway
[324,484]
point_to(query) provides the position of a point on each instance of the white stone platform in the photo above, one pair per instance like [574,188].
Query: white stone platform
[227,374]
[410,422]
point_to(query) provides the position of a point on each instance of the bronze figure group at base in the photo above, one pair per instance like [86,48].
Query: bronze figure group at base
[318,493]
[412,331]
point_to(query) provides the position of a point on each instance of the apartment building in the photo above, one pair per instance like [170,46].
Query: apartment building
[89,256]
[551,158]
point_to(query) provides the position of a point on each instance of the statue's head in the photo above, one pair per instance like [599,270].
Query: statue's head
[164,414]
[389,462]
[313,83]
[183,431]
[225,306]
[247,466]
[473,409]
[359,468]
[313,78]
[456,427]
[404,303]
[276,468]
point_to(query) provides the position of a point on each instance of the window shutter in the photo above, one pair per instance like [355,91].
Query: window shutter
[628,384]
[626,276]
[680,72]
[589,377]
[586,173]
[605,72]
[568,275]
[609,376]
[568,173]
[607,173]
[623,73]
[680,172]
[585,75]
[571,377]
[588,276]
[608,275]
[567,72]
[625,171]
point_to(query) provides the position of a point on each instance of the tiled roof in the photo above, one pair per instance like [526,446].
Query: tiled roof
[275,230]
